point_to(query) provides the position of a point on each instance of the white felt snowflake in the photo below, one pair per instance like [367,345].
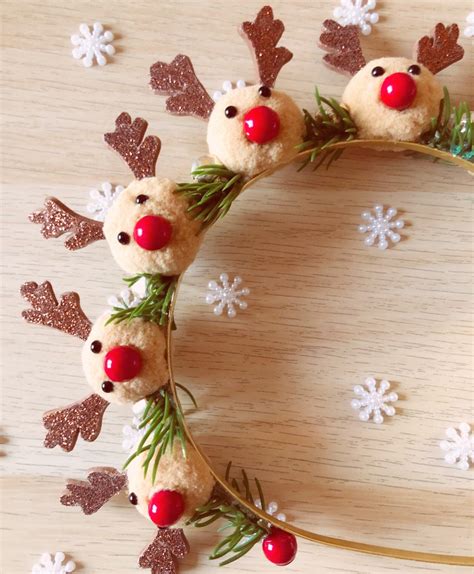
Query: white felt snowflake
[129,297]
[102,200]
[469,29]
[226,295]
[90,45]
[373,401]
[357,13]
[272,509]
[459,448]
[380,226]
[49,565]
[227,87]
[132,434]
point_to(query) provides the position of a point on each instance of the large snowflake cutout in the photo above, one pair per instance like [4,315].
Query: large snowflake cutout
[90,45]
[133,434]
[101,200]
[381,226]
[226,295]
[357,13]
[372,401]
[56,565]
[469,29]
[459,448]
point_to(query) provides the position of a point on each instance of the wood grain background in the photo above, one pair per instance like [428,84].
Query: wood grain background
[274,384]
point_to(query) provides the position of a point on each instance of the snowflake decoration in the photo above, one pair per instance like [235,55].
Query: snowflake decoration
[373,401]
[380,226]
[133,434]
[357,13]
[469,30]
[129,297]
[90,45]
[102,200]
[226,295]
[227,87]
[459,448]
[49,566]
[272,509]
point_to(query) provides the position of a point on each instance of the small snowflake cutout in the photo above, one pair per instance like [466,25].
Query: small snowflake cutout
[372,401]
[133,434]
[226,295]
[101,200]
[129,297]
[357,13]
[90,45]
[469,29]
[459,448]
[381,226]
[227,87]
[272,509]
[48,565]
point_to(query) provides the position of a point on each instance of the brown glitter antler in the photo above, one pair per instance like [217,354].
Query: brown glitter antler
[57,219]
[64,425]
[187,96]
[127,139]
[159,555]
[65,315]
[343,44]
[440,50]
[101,485]
[263,36]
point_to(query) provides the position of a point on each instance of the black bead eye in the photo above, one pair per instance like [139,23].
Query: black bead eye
[230,111]
[107,387]
[414,69]
[141,198]
[378,71]
[132,498]
[123,238]
[264,91]
[96,346]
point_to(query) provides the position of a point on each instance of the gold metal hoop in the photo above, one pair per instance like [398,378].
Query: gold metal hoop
[373,549]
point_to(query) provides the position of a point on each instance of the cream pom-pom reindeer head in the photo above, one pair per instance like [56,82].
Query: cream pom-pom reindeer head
[252,128]
[147,228]
[391,98]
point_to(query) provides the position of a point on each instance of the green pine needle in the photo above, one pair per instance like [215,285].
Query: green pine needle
[453,130]
[156,304]
[245,529]
[212,194]
[331,124]
[163,422]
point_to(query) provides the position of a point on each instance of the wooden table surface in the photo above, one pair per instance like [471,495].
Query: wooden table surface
[274,385]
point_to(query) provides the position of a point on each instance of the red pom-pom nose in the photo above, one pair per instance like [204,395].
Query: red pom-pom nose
[166,507]
[280,547]
[152,232]
[122,364]
[398,91]
[261,124]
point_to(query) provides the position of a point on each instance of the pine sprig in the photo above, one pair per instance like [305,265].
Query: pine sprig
[156,304]
[246,529]
[453,130]
[212,194]
[331,124]
[163,424]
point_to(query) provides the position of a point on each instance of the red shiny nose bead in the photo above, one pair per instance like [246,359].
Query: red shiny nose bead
[280,547]
[398,91]
[166,507]
[122,364]
[261,124]
[152,232]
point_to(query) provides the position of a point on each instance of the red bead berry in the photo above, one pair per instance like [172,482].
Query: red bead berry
[122,363]
[261,124]
[152,232]
[166,507]
[398,91]
[280,547]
